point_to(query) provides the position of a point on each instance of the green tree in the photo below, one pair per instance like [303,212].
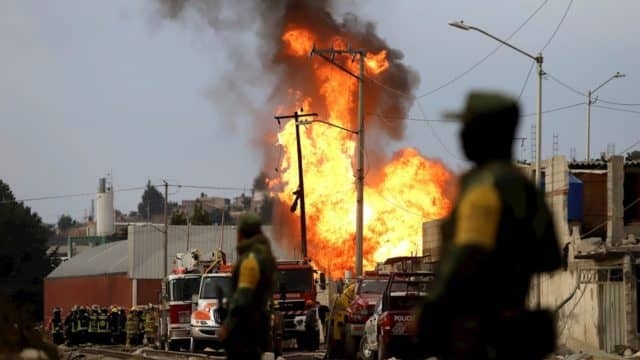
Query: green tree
[23,265]
[65,222]
[178,217]
[152,202]
[200,215]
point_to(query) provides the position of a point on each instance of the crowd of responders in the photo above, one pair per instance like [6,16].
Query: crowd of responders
[96,325]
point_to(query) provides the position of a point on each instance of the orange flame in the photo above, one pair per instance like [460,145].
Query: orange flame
[398,198]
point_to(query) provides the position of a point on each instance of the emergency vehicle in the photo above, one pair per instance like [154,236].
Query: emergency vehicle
[210,312]
[179,288]
[295,285]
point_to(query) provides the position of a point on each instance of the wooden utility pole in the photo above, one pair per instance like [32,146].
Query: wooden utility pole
[329,55]
[300,192]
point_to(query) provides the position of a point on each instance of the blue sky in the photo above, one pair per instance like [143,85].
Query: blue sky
[97,87]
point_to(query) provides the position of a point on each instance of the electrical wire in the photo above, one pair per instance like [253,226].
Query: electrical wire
[617,103]
[565,85]
[616,109]
[556,109]
[435,134]
[67,196]
[526,80]
[478,63]
[566,11]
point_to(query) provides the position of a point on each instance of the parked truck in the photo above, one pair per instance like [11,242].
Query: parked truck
[176,302]
[295,285]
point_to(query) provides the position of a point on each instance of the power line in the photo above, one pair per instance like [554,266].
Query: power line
[66,196]
[617,103]
[435,134]
[566,11]
[565,85]
[526,80]
[617,109]
[478,63]
[556,109]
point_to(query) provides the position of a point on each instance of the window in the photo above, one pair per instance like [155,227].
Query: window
[183,289]
[215,286]
[372,286]
[294,280]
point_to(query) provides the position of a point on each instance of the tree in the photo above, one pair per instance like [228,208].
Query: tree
[152,202]
[178,217]
[24,263]
[200,215]
[634,155]
[65,222]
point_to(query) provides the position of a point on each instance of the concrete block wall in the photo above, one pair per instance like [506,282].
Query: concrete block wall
[615,199]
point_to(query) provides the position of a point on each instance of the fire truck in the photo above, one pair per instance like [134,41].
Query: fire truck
[295,285]
[178,290]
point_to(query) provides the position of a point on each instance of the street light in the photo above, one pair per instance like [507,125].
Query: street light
[589,102]
[538,59]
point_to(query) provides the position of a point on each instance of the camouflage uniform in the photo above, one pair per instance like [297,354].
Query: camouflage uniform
[499,235]
[248,322]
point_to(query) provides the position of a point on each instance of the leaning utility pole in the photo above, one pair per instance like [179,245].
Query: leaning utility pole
[300,192]
[329,55]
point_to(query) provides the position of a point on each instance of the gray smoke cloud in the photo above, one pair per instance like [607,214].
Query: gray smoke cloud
[265,64]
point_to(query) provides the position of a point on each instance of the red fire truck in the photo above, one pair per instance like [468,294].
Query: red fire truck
[295,285]
[178,290]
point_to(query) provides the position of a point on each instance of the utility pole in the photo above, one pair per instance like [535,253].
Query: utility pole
[166,228]
[300,192]
[329,55]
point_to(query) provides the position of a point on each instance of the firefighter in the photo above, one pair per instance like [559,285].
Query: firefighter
[141,317]
[57,327]
[82,321]
[69,327]
[122,326]
[311,340]
[114,325]
[335,334]
[150,325]
[103,326]
[245,332]
[92,336]
[133,327]
[499,212]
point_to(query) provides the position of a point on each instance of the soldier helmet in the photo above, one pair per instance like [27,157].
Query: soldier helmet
[486,107]
[249,225]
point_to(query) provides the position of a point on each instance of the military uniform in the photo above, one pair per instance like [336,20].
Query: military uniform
[499,235]
[248,320]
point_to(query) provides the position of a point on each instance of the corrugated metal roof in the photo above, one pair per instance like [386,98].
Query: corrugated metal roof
[146,246]
[110,258]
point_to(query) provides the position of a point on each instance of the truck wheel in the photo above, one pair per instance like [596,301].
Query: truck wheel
[366,353]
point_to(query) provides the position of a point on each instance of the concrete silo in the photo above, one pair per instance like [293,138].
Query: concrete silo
[105,213]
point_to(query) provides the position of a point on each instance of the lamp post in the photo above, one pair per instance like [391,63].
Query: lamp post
[589,102]
[538,59]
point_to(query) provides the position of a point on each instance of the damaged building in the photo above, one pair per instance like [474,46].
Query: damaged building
[596,209]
